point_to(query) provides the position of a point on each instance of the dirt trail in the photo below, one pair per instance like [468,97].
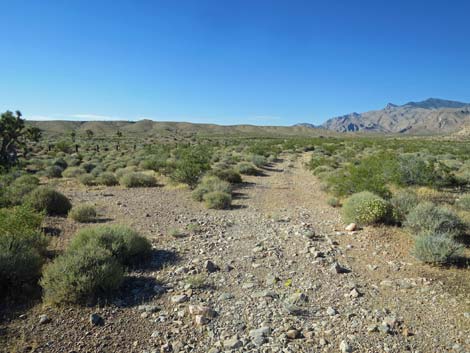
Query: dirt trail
[279,251]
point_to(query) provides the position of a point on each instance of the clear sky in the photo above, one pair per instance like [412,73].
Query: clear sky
[267,62]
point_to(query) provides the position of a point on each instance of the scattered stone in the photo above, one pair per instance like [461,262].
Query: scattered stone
[96,320]
[226,296]
[201,320]
[331,311]
[148,308]
[233,343]
[337,268]
[345,347]
[158,289]
[181,298]
[351,227]
[293,334]
[354,293]
[271,280]
[202,310]
[298,298]
[372,328]
[44,319]
[211,267]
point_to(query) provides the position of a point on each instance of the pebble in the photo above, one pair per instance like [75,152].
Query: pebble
[345,347]
[44,319]
[181,298]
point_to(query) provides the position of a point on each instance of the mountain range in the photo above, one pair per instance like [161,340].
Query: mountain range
[431,116]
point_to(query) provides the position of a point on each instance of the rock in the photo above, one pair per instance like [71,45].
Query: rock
[96,320]
[148,308]
[201,320]
[331,311]
[259,335]
[158,289]
[384,329]
[390,321]
[298,298]
[266,294]
[354,293]
[293,334]
[226,296]
[310,234]
[372,328]
[44,319]
[337,268]
[467,315]
[233,343]
[351,227]
[271,280]
[211,267]
[345,347]
[181,298]
[166,348]
[202,310]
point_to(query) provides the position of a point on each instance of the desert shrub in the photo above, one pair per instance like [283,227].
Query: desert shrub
[122,171]
[258,161]
[414,169]
[81,275]
[49,200]
[73,172]
[366,208]
[54,171]
[88,167]
[155,163]
[218,200]
[246,168]
[464,202]
[18,190]
[97,171]
[87,179]
[22,248]
[210,184]
[322,170]
[436,249]
[60,162]
[125,244]
[63,146]
[136,180]
[83,213]
[403,202]
[229,175]
[107,178]
[425,193]
[427,217]
[333,202]
[371,174]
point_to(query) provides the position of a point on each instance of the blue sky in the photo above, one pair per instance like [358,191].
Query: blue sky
[261,62]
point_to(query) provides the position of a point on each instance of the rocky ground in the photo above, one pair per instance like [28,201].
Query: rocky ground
[277,273]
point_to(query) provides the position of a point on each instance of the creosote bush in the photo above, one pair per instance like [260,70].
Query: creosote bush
[246,168]
[366,208]
[87,179]
[49,200]
[124,243]
[218,200]
[22,248]
[85,213]
[54,171]
[73,172]
[107,179]
[403,202]
[210,184]
[230,175]
[437,249]
[81,276]
[136,180]
[427,217]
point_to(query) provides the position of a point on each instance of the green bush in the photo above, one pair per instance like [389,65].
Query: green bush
[81,275]
[436,249]
[60,162]
[87,179]
[218,200]
[366,208]
[107,178]
[49,200]
[73,172]
[22,248]
[125,244]
[83,213]
[258,161]
[427,217]
[229,175]
[19,189]
[334,202]
[464,202]
[54,171]
[88,167]
[402,203]
[246,168]
[210,184]
[136,180]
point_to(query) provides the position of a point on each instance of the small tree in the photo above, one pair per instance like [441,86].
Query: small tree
[12,136]
[73,135]
[89,133]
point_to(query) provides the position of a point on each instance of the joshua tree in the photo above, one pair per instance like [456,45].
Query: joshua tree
[13,135]
[89,133]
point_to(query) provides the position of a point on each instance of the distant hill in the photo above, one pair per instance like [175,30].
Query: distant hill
[149,128]
[432,116]
[308,125]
